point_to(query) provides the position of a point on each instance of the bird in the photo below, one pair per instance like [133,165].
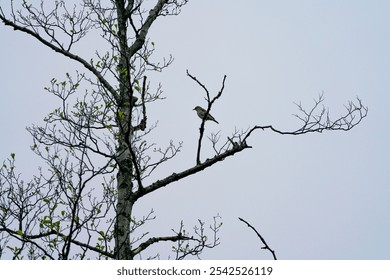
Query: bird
[201,112]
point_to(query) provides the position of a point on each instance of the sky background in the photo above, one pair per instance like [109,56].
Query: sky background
[315,196]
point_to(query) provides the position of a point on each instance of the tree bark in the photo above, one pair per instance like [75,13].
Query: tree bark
[124,175]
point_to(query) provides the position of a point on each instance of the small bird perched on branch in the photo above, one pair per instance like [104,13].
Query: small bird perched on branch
[201,112]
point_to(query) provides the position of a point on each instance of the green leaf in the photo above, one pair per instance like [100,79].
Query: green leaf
[19,232]
[56,225]
[13,155]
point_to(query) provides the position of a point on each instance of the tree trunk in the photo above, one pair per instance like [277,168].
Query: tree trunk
[124,117]
[124,207]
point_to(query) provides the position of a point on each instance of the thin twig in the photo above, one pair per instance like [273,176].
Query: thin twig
[266,247]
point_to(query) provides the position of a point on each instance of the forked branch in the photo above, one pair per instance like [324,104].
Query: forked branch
[320,122]
[265,247]
[210,102]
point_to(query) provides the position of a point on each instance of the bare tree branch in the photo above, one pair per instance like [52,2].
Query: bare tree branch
[210,102]
[355,113]
[178,176]
[266,247]
[62,51]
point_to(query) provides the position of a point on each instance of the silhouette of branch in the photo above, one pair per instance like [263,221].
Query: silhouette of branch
[266,247]
[209,104]
[355,112]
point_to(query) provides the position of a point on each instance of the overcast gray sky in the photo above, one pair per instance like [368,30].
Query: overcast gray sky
[318,196]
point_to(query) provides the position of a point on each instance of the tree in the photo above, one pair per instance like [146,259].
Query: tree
[95,144]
